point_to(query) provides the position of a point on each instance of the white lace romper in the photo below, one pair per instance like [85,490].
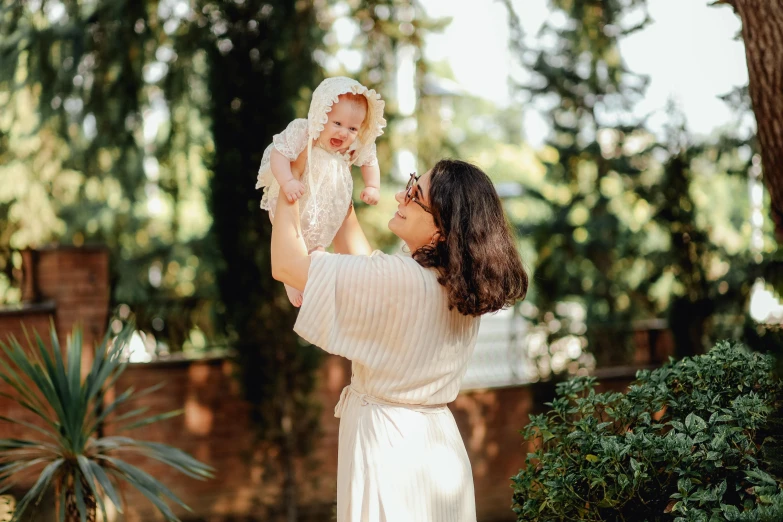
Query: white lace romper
[327,175]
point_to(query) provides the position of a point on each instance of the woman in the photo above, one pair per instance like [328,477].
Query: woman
[409,325]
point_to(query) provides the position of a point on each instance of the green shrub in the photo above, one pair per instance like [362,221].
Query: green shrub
[688,442]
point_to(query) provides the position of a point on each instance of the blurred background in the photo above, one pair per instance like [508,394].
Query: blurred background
[619,134]
[626,155]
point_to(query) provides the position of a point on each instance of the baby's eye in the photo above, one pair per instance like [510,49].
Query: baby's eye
[337,123]
[354,129]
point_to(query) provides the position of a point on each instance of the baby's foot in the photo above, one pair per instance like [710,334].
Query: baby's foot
[294,295]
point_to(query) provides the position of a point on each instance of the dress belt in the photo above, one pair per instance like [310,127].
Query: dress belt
[369,399]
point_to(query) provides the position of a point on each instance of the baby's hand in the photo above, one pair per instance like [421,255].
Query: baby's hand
[371,195]
[293,189]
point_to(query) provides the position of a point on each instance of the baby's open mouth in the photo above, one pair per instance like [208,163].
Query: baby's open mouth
[336,143]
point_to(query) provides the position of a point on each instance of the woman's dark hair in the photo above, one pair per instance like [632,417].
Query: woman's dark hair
[476,258]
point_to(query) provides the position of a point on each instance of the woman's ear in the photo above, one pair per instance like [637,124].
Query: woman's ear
[437,236]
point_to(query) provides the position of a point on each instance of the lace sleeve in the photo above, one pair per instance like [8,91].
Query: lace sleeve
[367,156]
[293,140]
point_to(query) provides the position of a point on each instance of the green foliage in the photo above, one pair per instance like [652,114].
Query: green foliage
[79,99]
[690,441]
[57,73]
[704,268]
[585,242]
[71,414]
[622,223]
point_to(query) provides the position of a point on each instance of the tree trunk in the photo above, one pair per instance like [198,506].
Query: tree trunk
[71,506]
[288,456]
[762,31]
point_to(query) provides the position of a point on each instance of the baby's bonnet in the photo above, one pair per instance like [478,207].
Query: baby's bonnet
[328,93]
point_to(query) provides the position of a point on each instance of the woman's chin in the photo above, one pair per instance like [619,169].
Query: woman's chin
[394,224]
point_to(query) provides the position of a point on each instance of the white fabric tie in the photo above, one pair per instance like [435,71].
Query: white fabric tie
[367,400]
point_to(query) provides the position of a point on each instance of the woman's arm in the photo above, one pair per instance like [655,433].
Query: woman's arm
[350,238]
[290,261]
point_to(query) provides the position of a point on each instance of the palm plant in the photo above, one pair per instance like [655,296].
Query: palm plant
[81,463]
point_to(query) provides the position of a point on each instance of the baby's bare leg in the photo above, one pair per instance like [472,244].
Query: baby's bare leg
[294,295]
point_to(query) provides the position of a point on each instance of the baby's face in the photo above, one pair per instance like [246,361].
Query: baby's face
[340,131]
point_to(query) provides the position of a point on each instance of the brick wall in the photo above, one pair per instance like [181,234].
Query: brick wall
[216,429]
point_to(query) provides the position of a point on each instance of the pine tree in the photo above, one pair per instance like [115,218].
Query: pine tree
[597,153]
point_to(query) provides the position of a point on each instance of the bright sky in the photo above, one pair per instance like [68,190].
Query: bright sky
[689,52]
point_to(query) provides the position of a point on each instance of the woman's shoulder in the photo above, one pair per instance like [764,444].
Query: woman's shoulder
[395,265]
[403,266]
[395,258]
[377,258]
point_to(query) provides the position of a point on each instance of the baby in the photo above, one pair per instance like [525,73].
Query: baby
[342,124]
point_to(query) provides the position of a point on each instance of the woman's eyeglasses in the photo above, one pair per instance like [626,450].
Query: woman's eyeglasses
[413,183]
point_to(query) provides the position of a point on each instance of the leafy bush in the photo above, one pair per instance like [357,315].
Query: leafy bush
[688,442]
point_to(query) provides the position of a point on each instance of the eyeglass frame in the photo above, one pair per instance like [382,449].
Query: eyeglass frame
[412,184]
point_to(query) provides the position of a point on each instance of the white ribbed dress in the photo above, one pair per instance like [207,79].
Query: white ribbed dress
[401,457]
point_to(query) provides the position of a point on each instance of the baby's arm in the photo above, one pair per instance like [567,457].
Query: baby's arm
[281,170]
[372,184]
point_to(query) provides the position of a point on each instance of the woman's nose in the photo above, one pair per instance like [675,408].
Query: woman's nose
[399,196]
